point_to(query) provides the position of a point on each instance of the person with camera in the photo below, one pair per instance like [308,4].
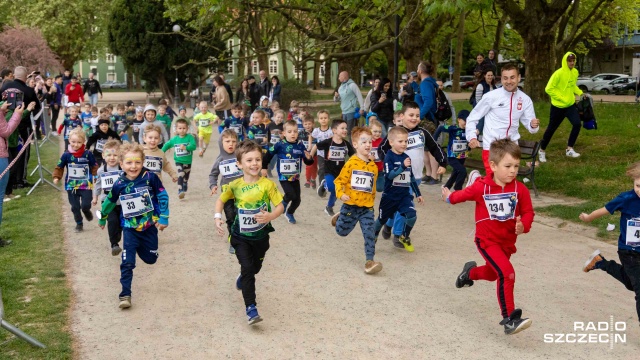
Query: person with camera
[382,104]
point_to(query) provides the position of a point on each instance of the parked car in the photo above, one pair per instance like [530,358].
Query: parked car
[587,84]
[464,80]
[608,87]
[114,85]
[623,89]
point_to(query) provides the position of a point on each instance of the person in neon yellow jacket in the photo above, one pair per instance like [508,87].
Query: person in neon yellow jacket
[562,90]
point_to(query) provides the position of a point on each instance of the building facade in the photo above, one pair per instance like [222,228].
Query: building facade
[623,58]
[107,68]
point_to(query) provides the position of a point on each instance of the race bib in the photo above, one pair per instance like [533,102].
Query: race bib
[203,123]
[374,153]
[274,139]
[107,179]
[100,145]
[306,144]
[178,150]
[633,232]
[121,126]
[67,130]
[362,181]
[229,169]
[136,127]
[415,140]
[136,204]
[78,171]
[289,166]
[154,164]
[501,207]
[260,138]
[459,146]
[247,219]
[236,128]
[403,179]
[337,153]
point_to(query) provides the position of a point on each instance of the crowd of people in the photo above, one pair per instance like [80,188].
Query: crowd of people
[117,157]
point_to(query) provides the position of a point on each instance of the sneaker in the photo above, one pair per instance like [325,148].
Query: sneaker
[88,215]
[307,185]
[252,315]
[515,323]
[572,153]
[426,179]
[372,267]
[463,279]
[432,182]
[115,250]
[4,243]
[78,228]
[180,194]
[592,262]
[285,205]
[386,232]
[397,243]
[313,183]
[473,176]
[542,156]
[321,190]
[232,250]
[329,210]
[334,219]
[238,283]
[290,218]
[406,242]
[125,302]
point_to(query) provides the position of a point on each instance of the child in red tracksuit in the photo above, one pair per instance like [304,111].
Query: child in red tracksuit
[503,211]
[376,131]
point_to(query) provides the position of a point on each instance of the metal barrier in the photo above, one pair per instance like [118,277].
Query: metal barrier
[39,168]
[14,330]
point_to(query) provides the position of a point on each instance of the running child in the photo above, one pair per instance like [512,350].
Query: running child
[253,196]
[108,174]
[205,121]
[355,186]
[226,165]
[376,141]
[136,124]
[81,168]
[289,152]
[121,125]
[293,110]
[311,171]
[149,113]
[182,114]
[258,131]
[100,138]
[183,145]
[69,123]
[236,122]
[457,150]
[163,117]
[628,203]
[336,149]
[86,119]
[95,116]
[319,134]
[145,210]
[503,211]
[155,159]
[264,106]
[276,133]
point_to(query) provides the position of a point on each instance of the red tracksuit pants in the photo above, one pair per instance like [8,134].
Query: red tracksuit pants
[497,268]
[311,171]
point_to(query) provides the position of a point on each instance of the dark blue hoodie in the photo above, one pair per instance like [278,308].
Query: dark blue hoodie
[426,99]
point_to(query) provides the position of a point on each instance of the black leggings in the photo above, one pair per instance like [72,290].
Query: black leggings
[80,200]
[556,118]
[291,195]
[458,175]
[627,272]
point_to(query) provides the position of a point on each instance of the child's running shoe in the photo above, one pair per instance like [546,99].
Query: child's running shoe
[307,184]
[88,215]
[290,218]
[329,210]
[180,194]
[473,176]
[238,283]
[115,250]
[542,156]
[334,219]
[125,302]
[79,228]
[252,315]
[571,153]
[321,190]
[232,250]
[515,323]
[313,183]
[372,267]
[397,243]
[406,242]
[593,261]
[463,279]
[386,232]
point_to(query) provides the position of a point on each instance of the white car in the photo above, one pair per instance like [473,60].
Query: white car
[587,84]
[608,87]
[463,80]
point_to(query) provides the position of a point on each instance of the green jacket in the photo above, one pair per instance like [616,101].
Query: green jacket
[189,141]
[562,86]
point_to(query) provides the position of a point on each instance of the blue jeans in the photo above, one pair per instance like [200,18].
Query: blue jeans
[351,122]
[93,99]
[331,188]
[397,222]
[4,163]
[145,244]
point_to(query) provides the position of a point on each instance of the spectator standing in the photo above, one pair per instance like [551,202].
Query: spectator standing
[408,93]
[492,62]
[221,103]
[382,104]
[480,65]
[276,89]
[350,98]
[56,103]
[92,88]
[74,91]
[254,92]
[426,99]
[265,84]
[228,87]
[488,83]
[5,75]
[367,99]
[243,95]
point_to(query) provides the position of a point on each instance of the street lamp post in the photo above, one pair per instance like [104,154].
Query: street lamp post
[176,98]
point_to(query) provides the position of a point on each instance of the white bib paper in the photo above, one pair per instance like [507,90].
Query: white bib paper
[236,128]
[459,146]
[403,179]
[178,150]
[121,126]
[100,145]
[203,122]
[362,181]
[229,169]
[247,219]
[274,139]
[154,164]
[337,153]
[289,166]
[107,179]
[374,153]
[501,207]
[415,140]
[136,127]
[78,171]
[633,232]
[136,204]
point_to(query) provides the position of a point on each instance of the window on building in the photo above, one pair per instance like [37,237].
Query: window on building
[274,46]
[273,66]
[93,58]
[230,45]
[112,77]
[231,67]
[254,67]
[111,58]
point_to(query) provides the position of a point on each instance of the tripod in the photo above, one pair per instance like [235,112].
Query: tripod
[39,168]
[14,330]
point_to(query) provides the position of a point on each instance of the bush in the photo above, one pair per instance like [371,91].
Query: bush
[293,90]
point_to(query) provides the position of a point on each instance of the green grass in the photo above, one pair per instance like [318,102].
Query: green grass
[34,286]
[598,175]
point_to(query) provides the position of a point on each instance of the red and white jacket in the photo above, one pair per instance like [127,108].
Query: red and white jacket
[502,111]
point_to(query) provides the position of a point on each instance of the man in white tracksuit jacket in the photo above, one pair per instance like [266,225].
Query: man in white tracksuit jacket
[502,110]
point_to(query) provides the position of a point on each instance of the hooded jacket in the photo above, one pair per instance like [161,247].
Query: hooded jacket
[495,231]
[350,97]
[426,99]
[562,86]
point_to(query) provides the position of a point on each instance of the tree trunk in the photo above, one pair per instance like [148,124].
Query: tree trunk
[164,87]
[497,40]
[303,66]
[138,82]
[328,80]
[457,63]
[388,53]
[316,71]
[285,66]
[129,77]
[412,44]
[539,53]
[241,53]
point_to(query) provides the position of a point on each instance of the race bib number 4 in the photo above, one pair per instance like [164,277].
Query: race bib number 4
[501,207]
[415,140]
[107,179]
[337,153]
[153,163]
[362,181]
[179,151]
[78,171]
[247,221]
[403,179]
[633,232]
[229,169]
[136,204]
[289,166]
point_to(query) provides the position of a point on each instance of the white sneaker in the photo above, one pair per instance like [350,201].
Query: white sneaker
[542,156]
[473,176]
[572,153]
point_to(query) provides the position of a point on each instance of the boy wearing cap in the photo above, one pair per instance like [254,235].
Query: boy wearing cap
[99,138]
[150,114]
[457,150]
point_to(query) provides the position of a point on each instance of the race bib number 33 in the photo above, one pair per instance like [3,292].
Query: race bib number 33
[136,204]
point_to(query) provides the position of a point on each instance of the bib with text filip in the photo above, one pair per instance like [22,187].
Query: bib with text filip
[501,207]
[136,204]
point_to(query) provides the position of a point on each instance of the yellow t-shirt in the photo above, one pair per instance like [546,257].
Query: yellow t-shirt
[204,121]
[357,180]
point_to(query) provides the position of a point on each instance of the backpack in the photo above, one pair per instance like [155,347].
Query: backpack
[443,108]
[585,110]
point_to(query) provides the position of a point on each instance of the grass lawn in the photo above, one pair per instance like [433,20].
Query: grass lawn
[597,176]
[35,291]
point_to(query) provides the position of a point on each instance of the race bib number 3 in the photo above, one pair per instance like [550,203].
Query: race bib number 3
[247,222]
[229,169]
[362,181]
[153,163]
[107,179]
[136,204]
[78,171]
[289,166]
[633,233]
[337,153]
[403,179]
[415,140]
[501,207]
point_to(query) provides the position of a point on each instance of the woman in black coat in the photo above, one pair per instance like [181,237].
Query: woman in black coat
[382,104]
